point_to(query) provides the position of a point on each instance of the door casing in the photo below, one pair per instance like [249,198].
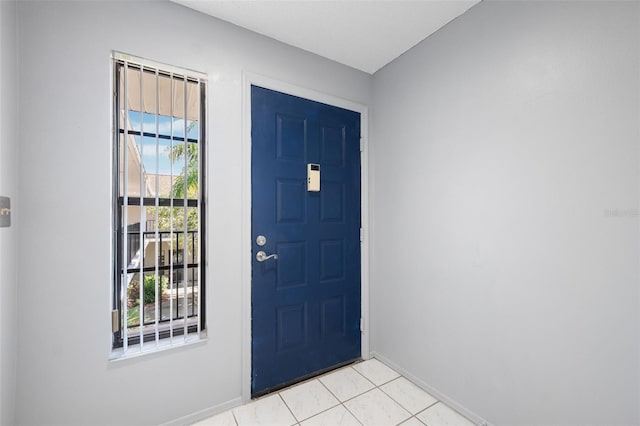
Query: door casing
[246,261]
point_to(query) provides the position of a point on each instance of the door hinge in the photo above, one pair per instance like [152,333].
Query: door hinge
[361,144]
[361,325]
[361,235]
[115,315]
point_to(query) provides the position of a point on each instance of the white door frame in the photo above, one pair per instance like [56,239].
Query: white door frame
[249,79]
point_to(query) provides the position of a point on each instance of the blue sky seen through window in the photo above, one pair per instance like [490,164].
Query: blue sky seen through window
[146,123]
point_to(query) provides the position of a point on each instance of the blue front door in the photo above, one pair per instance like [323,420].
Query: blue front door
[306,298]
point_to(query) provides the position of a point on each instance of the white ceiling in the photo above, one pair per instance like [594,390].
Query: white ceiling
[365,35]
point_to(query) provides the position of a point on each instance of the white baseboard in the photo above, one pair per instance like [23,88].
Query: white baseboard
[433,391]
[203,414]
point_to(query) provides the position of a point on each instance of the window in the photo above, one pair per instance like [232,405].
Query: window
[159,206]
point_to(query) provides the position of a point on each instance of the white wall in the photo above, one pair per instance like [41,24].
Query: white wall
[64,376]
[8,188]
[505,158]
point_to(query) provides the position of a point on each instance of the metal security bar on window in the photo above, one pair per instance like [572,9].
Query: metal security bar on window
[159,205]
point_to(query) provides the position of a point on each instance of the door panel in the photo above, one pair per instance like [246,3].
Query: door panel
[306,302]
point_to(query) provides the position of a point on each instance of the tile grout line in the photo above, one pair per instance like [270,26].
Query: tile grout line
[323,411]
[450,408]
[352,415]
[342,402]
[328,409]
[431,405]
[379,387]
[414,417]
[399,405]
[365,377]
[355,396]
[349,411]
[406,408]
[288,408]
[329,390]
[369,390]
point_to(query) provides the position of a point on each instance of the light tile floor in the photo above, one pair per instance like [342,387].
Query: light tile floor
[368,393]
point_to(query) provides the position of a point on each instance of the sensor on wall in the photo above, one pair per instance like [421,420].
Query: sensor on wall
[313,177]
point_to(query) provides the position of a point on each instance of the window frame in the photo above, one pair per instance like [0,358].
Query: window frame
[163,338]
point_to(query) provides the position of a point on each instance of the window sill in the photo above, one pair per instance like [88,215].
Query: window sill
[163,346]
